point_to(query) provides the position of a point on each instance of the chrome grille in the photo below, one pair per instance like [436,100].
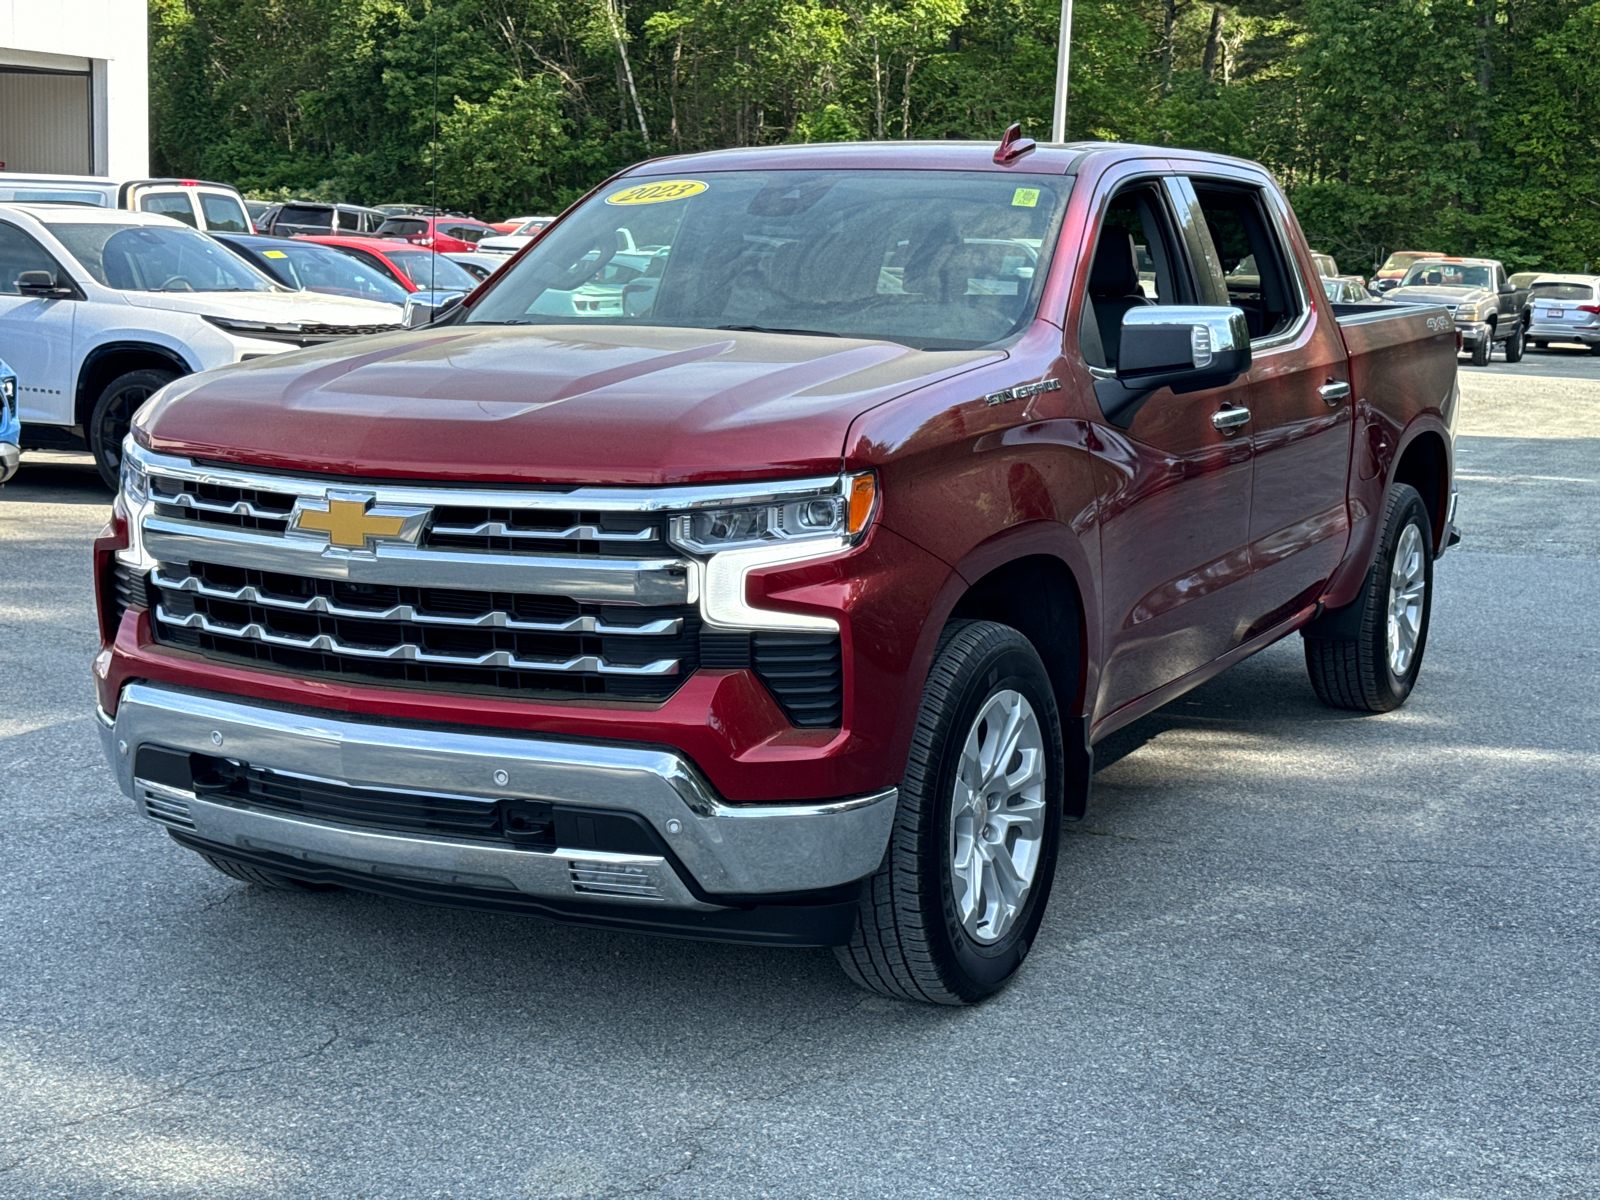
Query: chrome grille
[165,804]
[438,636]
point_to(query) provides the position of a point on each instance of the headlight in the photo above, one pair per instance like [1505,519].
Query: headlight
[841,513]
[739,539]
[135,479]
[249,328]
[8,392]
[1466,312]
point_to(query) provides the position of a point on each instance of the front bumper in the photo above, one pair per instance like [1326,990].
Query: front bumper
[770,873]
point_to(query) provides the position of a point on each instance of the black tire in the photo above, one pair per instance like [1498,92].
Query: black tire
[1355,672]
[245,873]
[1480,352]
[1516,344]
[1595,349]
[113,411]
[1541,345]
[910,942]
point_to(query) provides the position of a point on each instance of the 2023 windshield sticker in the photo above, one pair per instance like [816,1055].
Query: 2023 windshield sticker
[658,193]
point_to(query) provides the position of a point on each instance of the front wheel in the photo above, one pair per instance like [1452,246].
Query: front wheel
[1480,352]
[1371,664]
[1515,345]
[952,911]
[113,413]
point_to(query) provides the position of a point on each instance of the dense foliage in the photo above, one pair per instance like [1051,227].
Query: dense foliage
[1459,125]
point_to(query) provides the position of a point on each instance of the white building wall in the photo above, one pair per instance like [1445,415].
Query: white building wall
[111,40]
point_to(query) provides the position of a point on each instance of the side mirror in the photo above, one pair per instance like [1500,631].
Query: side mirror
[42,283]
[424,308]
[1184,348]
[1506,289]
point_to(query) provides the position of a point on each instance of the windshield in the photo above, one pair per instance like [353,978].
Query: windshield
[1563,291]
[930,259]
[1438,274]
[430,271]
[1400,261]
[147,258]
[315,268]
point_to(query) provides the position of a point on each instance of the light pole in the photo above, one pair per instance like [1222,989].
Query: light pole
[1058,122]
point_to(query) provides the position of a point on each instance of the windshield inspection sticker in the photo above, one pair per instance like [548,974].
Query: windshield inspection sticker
[1025,198]
[273,254]
[1022,391]
[657,193]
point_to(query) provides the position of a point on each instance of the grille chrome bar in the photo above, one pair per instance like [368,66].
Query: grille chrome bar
[671,498]
[411,652]
[589,533]
[495,619]
[643,581]
[241,508]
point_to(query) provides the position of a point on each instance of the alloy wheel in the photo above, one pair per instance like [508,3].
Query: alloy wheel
[997,815]
[1408,585]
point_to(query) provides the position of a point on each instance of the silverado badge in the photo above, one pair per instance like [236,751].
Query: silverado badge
[1022,391]
[352,521]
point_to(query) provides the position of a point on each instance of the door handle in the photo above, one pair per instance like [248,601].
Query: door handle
[1229,419]
[1334,391]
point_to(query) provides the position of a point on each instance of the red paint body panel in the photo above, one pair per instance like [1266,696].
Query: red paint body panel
[1188,548]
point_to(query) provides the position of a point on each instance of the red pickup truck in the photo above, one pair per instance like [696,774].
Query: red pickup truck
[776,588]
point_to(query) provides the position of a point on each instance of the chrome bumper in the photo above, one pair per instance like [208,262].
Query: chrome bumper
[726,850]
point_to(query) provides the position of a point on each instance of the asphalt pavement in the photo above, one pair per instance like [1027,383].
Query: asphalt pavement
[1292,952]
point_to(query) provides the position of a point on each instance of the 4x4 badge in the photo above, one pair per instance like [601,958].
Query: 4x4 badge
[352,521]
[1022,391]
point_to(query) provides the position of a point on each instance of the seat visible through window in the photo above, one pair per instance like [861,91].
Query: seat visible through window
[1114,288]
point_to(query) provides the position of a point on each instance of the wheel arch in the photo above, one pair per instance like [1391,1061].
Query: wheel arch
[1424,463]
[105,362]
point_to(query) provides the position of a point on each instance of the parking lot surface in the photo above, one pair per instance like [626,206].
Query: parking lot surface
[1291,951]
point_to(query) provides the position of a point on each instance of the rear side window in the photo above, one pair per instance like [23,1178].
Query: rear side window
[19,253]
[306,216]
[469,233]
[349,221]
[1255,268]
[1563,291]
[224,214]
[172,205]
[402,227]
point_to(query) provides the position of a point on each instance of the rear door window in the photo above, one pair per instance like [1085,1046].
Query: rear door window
[306,216]
[349,221]
[169,204]
[224,213]
[1256,269]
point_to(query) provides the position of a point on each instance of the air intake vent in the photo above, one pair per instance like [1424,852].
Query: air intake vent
[597,879]
[804,673]
[165,805]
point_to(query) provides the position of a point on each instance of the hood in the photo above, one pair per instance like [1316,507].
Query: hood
[1447,296]
[546,404]
[311,307]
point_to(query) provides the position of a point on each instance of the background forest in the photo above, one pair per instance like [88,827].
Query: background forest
[1467,126]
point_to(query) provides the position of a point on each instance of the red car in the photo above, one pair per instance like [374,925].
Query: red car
[761,554]
[437,233]
[412,268]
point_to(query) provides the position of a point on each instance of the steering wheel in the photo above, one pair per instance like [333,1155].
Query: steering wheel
[176,283]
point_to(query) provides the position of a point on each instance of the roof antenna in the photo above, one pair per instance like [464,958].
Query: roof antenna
[1013,145]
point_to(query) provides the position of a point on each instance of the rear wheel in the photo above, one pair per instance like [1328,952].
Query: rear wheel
[113,412]
[1374,668]
[953,910]
[1516,344]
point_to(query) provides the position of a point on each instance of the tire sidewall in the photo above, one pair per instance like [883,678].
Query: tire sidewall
[109,458]
[1408,510]
[981,969]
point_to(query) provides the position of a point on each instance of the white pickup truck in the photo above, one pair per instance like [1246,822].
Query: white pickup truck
[99,308]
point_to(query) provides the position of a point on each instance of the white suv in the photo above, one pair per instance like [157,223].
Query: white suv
[100,308]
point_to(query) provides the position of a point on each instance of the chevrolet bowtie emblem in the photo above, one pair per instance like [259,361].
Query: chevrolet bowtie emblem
[352,521]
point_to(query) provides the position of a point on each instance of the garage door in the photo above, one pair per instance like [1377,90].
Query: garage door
[44,122]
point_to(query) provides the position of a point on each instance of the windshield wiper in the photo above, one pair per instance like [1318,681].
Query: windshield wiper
[769,329]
